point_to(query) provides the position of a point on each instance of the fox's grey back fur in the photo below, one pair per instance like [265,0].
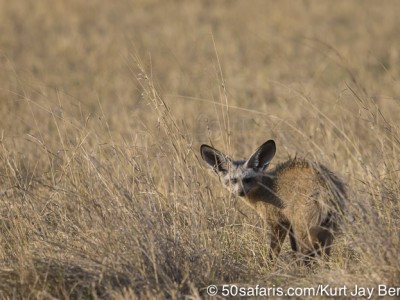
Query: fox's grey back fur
[298,197]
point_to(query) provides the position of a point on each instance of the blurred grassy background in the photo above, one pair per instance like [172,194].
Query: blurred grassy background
[104,107]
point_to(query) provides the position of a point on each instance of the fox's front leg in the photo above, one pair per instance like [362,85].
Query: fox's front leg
[278,234]
[293,242]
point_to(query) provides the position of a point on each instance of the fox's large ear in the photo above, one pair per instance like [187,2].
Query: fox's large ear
[261,158]
[217,160]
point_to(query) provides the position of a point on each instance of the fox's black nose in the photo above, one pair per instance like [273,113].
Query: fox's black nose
[242,193]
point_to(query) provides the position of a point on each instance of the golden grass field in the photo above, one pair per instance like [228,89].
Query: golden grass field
[104,106]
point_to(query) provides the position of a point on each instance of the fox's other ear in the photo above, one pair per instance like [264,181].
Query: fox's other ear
[217,160]
[261,158]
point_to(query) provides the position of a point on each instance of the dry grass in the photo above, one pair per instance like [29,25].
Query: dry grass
[104,107]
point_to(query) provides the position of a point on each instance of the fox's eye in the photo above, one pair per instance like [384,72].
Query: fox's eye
[247,180]
[234,180]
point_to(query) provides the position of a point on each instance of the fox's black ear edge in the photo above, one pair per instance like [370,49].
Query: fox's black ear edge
[210,155]
[214,158]
[204,147]
[272,142]
[261,158]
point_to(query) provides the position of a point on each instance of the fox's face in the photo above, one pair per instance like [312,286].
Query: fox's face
[240,177]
